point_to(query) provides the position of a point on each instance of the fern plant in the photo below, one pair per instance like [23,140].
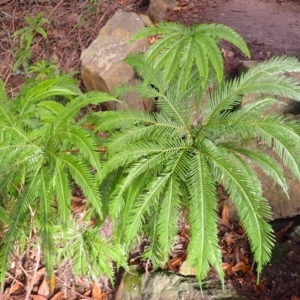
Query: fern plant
[172,160]
[182,48]
[43,151]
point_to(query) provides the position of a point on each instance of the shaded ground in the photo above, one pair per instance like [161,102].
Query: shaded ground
[270,27]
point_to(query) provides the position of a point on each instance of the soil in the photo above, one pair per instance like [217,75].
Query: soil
[270,27]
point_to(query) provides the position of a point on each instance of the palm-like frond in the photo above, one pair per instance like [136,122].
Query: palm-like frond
[180,47]
[202,203]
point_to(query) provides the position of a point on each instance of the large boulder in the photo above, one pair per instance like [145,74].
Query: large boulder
[102,67]
[170,286]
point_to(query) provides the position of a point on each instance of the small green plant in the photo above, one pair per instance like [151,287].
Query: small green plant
[43,152]
[43,70]
[172,160]
[22,53]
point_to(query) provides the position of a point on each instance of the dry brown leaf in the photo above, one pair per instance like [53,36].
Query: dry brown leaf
[77,204]
[97,294]
[38,275]
[152,39]
[183,270]
[69,62]
[262,287]
[38,297]
[174,262]
[44,288]
[225,266]
[14,288]
[225,213]
[241,266]
[236,252]
[176,8]
[87,293]
[58,296]
[228,238]
[279,235]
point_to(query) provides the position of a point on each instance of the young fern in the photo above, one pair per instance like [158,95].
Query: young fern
[173,160]
[43,150]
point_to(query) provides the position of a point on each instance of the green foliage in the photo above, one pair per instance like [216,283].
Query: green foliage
[22,53]
[89,253]
[183,49]
[43,151]
[43,70]
[172,160]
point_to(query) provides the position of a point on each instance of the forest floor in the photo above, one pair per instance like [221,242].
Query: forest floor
[270,27]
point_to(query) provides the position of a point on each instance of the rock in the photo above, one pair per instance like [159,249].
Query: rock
[295,234]
[169,286]
[147,21]
[158,8]
[281,205]
[102,67]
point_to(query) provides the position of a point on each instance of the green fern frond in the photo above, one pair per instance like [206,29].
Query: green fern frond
[223,32]
[62,189]
[143,205]
[84,142]
[73,107]
[84,179]
[275,65]
[169,214]
[129,117]
[283,138]
[262,80]
[203,245]
[17,217]
[267,165]
[246,196]
[146,70]
[178,41]
[153,251]
[136,170]
[46,214]
[89,253]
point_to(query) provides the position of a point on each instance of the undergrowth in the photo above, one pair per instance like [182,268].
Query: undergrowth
[156,164]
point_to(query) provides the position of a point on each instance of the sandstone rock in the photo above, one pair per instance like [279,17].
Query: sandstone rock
[158,8]
[170,286]
[102,67]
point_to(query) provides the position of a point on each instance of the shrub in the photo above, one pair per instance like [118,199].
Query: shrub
[43,152]
[172,160]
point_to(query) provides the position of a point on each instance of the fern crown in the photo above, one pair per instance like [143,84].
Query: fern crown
[171,161]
